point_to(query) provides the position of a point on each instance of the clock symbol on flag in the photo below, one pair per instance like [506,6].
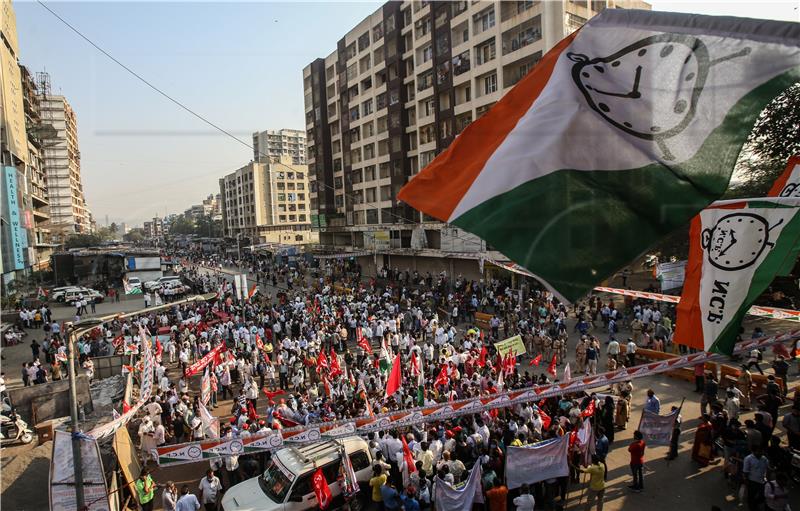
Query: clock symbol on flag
[651,88]
[737,240]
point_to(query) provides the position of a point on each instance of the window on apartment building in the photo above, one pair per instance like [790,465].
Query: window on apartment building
[382,124]
[363,41]
[369,173]
[369,151]
[351,51]
[459,7]
[422,27]
[334,127]
[386,193]
[366,84]
[337,183]
[354,135]
[339,201]
[301,196]
[427,53]
[394,97]
[372,216]
[443,43]
[355,156]
[337,164]
[484,20]
[490,83]
[380,101]
[485,52]
[363,64]
[370,194]
[428,107]
[443,72]
[366,107]
[354,115]
[282,196]
[377,32]
[352,72]
[446,128]
[383,170]
[389,23]
[369,129]
[427,134]
[425,80]
[336,146]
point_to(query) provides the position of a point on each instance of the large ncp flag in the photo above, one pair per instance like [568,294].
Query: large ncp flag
[736,248]
[620,134]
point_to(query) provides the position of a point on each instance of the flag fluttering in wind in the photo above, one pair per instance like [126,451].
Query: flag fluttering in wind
[736,248]
[395,377]
[482,357]
[567,373]
[407,456]
[252,292]
[321,489]
[536,360]
[631,124]
[552,367]
[322,362]
[442,378]
[336,369]
[363,342]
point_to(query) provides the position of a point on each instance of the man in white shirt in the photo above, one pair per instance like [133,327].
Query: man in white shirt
[210,488]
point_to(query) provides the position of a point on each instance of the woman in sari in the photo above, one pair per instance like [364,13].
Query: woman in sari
[623,412]
[703,447]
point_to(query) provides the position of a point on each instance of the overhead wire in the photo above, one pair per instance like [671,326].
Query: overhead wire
[355,198]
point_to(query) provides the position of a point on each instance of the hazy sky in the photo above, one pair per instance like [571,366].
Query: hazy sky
[237,64]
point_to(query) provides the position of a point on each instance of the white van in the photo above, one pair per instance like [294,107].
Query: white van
[286,483]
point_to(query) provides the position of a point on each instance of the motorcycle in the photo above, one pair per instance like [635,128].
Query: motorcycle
[12,427]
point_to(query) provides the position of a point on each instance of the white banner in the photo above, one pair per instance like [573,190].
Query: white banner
[62,475]
[657,429]
[537,462]
[460,497]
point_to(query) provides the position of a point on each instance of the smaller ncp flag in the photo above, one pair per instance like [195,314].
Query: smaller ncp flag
[736,248]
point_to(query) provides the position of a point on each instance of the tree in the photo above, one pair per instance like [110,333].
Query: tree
[774,139]
[206,226]
[133,236]
[182,225]
[113,227]
[82,241]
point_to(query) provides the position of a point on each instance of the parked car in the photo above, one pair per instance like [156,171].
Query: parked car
[57,293]
[85,292]
[286,483]
[134,283]
[155,285]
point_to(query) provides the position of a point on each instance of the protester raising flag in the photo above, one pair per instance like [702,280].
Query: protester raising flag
[654,105]
[252,292]
[482,357]
[322,362]
[736,248]
[363,342]
[395,377]
[536,361]
[336,369]
[442,379]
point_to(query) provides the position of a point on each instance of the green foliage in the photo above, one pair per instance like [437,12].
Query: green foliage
[182,225]
[82,241]
[133,236]
[774,139]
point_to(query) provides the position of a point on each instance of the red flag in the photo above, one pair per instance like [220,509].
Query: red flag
[322,362]
[336,369]
[546,420]
[536,361]
[327,387]
[780,349]
[552,367]
[271,395]
[125,407]
[414,365]
[443,378]
[321,489]
[364,344]
[573,437]
[159,348]
[409,459]
[483,355]
[589,411]
[395,377]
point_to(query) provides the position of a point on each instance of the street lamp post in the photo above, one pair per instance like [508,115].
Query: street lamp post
[73,404]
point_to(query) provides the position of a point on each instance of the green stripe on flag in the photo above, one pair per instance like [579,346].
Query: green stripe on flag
[574,228]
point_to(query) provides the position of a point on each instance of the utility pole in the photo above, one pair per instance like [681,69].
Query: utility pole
[73,404]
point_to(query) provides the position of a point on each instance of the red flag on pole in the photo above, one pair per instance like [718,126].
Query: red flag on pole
[395,377]
[322,362]
[482,357]
[589,411]
[336,369]
[409,459]
[552,367]
[536,361]
[321,489]
[363,342]
[442,379]
[546,420]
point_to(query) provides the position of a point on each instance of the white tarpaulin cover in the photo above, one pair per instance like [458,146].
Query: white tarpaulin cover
[461,497]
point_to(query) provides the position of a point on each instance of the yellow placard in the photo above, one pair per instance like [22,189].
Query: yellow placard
[512,344]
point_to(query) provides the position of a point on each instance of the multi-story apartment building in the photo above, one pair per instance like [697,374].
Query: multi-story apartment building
[271,145]
[397,90]
[62,162]
[154,228]
[36,199]
[211,206]
[267,203]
